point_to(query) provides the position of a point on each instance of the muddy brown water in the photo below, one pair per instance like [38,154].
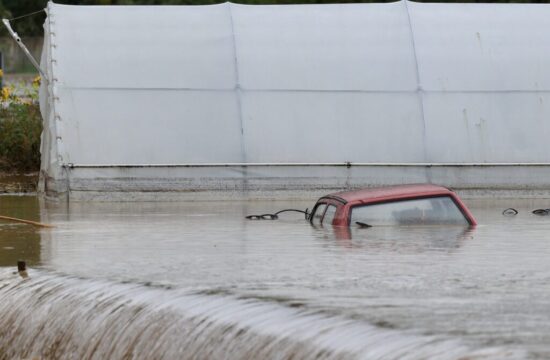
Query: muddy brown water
[197,280]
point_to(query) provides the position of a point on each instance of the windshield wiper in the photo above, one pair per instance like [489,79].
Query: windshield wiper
[363,225]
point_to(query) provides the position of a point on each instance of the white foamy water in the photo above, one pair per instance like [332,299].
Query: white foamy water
[53,316]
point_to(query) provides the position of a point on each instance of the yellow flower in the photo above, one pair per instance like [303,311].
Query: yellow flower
[1,73]
[36,81]
[5,93]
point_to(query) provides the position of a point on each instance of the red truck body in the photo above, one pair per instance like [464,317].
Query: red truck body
[346,200]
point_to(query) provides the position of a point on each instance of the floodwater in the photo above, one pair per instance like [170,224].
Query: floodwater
[196,280]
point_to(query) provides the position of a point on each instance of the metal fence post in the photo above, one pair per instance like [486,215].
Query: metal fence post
[1,70]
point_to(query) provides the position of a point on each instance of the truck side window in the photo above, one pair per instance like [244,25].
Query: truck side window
[329,215]
[318,214]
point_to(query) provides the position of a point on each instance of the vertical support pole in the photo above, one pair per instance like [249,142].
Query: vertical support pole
[24,48]
[21,265]
[22,269]
[1,70]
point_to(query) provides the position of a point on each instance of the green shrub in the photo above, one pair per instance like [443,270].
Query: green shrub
[20,129]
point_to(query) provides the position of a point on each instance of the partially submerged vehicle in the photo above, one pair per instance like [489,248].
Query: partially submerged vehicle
[421,204]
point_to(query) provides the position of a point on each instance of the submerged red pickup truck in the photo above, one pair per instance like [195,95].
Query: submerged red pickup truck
[421,204]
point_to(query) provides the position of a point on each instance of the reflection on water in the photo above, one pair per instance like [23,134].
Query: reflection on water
[18,241]
[472,289]
[420,238]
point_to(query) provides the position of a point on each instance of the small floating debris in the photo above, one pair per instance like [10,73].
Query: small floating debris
[510,212]
[541,212]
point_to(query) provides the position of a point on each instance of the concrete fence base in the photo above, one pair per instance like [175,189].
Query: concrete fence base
[289,182]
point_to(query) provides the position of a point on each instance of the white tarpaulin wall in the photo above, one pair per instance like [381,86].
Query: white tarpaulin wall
[382,85]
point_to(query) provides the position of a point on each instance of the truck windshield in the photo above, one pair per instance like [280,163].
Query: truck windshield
[426,211]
